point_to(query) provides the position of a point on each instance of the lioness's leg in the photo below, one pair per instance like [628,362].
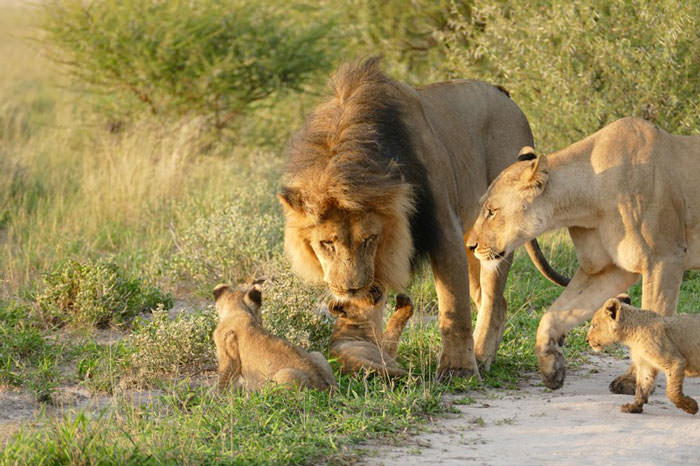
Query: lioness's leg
[674,388]
[491,320]
[646,375]
[584,294]
[396,324]
[450,271]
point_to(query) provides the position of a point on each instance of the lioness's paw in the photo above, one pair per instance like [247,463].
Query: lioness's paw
[631,408]
[552,365]
[448,369]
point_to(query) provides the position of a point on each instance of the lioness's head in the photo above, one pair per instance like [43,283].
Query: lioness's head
[512,212]
[246,299]
[605,324]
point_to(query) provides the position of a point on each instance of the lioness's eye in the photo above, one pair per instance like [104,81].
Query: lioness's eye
[369,240]
[490,212]
[328,245]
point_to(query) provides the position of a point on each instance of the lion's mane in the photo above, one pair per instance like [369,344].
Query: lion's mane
[355,154]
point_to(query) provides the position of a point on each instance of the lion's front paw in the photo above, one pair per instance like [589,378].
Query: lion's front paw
[456,367]
[624,384]
[552,365]
[631,408]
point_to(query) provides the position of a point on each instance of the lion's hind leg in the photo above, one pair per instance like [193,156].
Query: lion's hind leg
[396,324]
[291,378]
[325,368]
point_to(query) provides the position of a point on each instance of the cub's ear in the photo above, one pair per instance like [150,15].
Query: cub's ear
[291,199]
[612,308]
[526,153]
[336,308]
[624,298]
[219,289]
[253,297]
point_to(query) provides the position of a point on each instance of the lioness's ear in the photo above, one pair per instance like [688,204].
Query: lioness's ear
[624,298]
[534,178]
[291,198]
[219,289]
[336,308]
[526,153]
[612,307]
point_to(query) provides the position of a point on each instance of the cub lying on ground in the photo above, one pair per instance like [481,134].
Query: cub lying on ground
[359,343]
[670,344]
[245,349]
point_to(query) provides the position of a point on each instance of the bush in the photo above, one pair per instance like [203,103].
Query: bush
[573,67]
[95,293]
[205,57]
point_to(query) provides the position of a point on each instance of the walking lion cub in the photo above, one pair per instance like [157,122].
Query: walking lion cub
[670,344]
[245,349]
[358,341]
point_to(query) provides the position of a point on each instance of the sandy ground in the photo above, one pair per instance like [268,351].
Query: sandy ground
[578,424]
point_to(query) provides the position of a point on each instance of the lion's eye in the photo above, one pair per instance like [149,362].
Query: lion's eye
[328,246]
[369,241]
[490,212]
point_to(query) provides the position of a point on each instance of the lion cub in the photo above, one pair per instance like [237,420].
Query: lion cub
[358,343]
[656,342]
[244,348]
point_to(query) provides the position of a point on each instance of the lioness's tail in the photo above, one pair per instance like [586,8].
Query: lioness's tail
[535,253]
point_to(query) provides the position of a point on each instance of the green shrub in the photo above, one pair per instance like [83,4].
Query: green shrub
[573,67]
[205,57]
[95,293]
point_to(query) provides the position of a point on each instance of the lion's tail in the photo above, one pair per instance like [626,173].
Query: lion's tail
[535,253]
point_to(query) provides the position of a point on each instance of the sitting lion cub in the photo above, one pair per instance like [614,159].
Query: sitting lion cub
[358,343]
[244,348]
[656,342]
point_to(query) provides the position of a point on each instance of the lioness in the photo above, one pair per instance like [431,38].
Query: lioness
[670,344]
[630,198]
[244,348]
[383,174]
[359,344]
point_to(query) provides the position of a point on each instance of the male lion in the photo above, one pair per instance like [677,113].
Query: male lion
[382,174]
[245,349]
[630,198]
[359,344]
[670,344]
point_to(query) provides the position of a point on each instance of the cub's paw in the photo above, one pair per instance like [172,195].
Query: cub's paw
[631,408]
[688,405]
[624,384]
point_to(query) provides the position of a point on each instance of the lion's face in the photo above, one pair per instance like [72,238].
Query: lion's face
[346,246]
[604,325]
[511,212]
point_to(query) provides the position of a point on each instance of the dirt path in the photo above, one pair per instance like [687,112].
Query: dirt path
[578,424]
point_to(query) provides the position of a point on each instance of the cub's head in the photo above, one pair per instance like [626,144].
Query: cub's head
[246,299]
[357,310]
[512,212]
[605,325]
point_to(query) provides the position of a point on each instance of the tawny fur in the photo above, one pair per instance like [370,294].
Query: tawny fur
[358,344]
[657,343]
[245,349]
[383,173]
[630,198]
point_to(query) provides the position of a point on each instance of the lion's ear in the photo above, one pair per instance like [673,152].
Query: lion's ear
[612,308]
[291,199]
[534,178]
[336,308]
[526,153]
[253,297]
